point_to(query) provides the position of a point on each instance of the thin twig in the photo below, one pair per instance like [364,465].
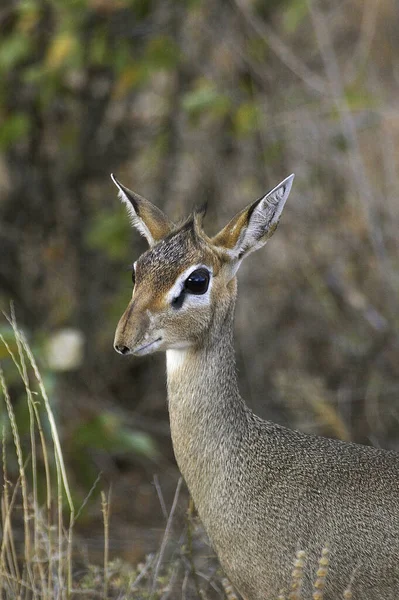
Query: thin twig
[359,57]
[281,50]
[87,498]
[160,497]
[171,582]
[143,572]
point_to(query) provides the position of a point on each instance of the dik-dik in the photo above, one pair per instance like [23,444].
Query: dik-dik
[263,492]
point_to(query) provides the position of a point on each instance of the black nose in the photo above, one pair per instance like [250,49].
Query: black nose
[121,349]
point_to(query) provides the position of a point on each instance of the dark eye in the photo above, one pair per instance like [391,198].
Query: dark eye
[133,276]
[197,282]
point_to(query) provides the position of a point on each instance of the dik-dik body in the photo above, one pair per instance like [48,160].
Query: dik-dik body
[262,491]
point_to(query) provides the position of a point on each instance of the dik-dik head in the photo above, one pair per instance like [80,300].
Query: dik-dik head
[184,285]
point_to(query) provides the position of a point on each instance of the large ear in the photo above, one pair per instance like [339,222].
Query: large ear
[252,227]
[150,221]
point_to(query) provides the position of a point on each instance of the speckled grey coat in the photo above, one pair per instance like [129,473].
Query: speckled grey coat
[262,491]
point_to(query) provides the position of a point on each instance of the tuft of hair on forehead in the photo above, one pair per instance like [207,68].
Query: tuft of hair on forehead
[200,212]
[193,223]
[197,219]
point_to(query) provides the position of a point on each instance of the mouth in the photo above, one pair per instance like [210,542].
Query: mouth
[147,348]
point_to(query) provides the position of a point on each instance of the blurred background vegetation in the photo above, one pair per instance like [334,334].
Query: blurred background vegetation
[188,101]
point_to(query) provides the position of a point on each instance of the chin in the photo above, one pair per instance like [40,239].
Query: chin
[149,347]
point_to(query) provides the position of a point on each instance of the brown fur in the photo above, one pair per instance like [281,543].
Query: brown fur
[261,490]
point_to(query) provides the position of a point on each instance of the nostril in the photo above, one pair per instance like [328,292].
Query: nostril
[121,349]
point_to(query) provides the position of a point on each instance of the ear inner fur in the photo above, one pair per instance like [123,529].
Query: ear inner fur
[146,217]
[230,234]
[253,226]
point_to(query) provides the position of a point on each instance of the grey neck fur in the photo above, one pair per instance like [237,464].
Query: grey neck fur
[207,414]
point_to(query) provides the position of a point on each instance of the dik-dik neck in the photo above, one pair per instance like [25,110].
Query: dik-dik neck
[208,418]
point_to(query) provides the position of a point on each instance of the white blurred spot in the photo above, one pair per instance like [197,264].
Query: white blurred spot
[64,350]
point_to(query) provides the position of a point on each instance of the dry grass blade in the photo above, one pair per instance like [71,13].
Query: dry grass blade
[165,537]
[34,417]
[7,544]
[105,510]
[62,479]
[21,466]
[43,552]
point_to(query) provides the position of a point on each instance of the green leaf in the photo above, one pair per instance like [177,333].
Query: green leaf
[358,98]
[14,49]
[99,432]
[99,51]
[294,14]
[274,152]
[106,431]
[138,442]
[13,129]
[205,98]
[122,57]
[161,54]
[246,118]
[61,51]
[109,232]
[258,49]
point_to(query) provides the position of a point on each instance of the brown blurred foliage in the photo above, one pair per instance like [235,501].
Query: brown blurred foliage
[186,102]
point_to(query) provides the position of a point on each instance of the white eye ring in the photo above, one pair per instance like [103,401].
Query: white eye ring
[177,292]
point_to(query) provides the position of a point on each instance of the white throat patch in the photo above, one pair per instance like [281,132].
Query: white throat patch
[175,358]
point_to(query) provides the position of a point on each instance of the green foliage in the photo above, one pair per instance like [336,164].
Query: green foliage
[273,152]
[258,49]
[123,57]
[13,50]
[98,49]
[358,98]
[110,232]
[14,128]
[107,432]
[205,98]
[294,14]
[246,118]
[162,53]
[266,9]
[140,8]
[63,52]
